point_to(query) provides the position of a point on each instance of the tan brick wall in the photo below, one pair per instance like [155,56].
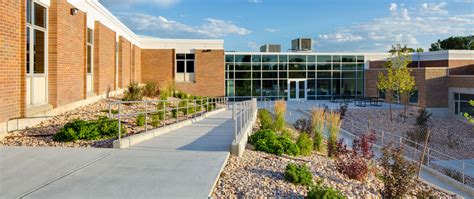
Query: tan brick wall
[209,74]
[67,54]
[157,65]
[436,83]
[136,64]
[370,84]
[125,67]
[12,59]
[104,59]
[461,81]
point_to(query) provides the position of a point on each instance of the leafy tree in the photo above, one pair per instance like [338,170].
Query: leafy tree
[398,77]
[454,43]
[419,50]
[470,118]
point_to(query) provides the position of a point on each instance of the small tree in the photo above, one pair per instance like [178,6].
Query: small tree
[470,118]
[280,111]
[398,77]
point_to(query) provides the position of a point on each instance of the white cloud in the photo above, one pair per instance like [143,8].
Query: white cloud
[125,3]
[393,7]
[433,8]
[272,29]
[255,1]
[162,27]
[401,25]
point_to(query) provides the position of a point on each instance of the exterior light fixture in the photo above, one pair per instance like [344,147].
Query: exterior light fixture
[207,50]
[74,11]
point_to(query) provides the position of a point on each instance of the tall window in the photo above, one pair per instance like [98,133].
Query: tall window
[36,53]
[35,38]
[184,68]
[90,46]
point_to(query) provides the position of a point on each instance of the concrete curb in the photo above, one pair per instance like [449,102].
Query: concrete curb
[218,176]
[135,139]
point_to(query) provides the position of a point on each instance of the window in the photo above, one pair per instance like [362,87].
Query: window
[90,44]
[35,38]
[461,104]
[184,67]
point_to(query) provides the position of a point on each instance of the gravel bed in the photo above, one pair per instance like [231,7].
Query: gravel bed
[261,175]
[450,136]
[41,134]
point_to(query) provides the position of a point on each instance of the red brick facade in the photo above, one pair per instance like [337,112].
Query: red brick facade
[12,59]
[124,62]
[104,59]
[67,54]
[157,65]
[209,74]
[136,64]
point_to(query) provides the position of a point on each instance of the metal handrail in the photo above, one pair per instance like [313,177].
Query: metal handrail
[243,114]
[217,102]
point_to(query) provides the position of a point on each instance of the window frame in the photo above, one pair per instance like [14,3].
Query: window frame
[185,60]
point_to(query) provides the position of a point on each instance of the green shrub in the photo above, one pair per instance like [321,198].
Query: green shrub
[289,147]
[267,141]
[298,174]
[266,119]
[322,192]
[210,107]
[398,174]
[174,113]
[260,135]
[133,93]
[151,89]
[140,120]
[113,111]
[280,111]
[155,119]
[88,130]
[305,144]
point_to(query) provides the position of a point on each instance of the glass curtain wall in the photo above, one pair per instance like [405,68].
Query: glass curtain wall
[266,76]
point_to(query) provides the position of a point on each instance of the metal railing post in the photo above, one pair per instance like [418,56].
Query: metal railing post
[164,111]
[119,126]
[195,108]
[146,116]
[235,121]
[177,112]
[207,104]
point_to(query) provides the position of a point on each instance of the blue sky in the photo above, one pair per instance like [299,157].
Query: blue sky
[334,25]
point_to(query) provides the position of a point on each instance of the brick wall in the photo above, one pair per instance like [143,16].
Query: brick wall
[104,59]
[124,62]
[12,59]
[436,83]
[157,65]
[136,64]
[461,81]
[209,74]
[67,54]
[370,84]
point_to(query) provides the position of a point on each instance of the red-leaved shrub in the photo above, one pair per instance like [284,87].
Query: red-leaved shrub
[355,164]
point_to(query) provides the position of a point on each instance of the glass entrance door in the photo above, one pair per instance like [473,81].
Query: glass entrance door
[297,89]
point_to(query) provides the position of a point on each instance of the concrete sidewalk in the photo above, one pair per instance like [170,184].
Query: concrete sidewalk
[184,163]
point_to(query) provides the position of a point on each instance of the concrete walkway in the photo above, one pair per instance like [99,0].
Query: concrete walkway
[184,163]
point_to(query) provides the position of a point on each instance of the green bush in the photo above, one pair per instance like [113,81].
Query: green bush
[133,93]
[289,147]
[305,144]
[266,119]
[88,130]
[209,107]
[151,89]
[140,120]
[155,119]
[298,174]
[174,113]
[113,111]
[320,192]
[260,135]
[267,141]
